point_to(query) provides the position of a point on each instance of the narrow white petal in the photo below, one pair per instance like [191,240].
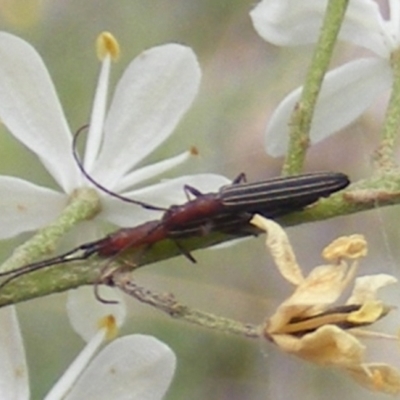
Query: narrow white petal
[346,92]
[172,191]
[30,108]
[153,94]
[135,367]
[97,118]
[164,194]
[14,382]
[86,313]
[150,171]
[292,23]
[288,22]
[68,379]
[26,207]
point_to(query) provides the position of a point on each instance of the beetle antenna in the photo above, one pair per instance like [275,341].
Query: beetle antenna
[99,185]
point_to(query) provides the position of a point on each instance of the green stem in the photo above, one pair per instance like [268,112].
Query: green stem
[383,189]
[84,204]
[385,156]
[169,305]
[300,122]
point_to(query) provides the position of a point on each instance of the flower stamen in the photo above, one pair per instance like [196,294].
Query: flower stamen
[107,45]
[110,325]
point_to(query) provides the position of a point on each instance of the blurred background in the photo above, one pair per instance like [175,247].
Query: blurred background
[244,79]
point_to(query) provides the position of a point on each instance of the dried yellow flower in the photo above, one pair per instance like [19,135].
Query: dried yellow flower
[308,325]
[352,247]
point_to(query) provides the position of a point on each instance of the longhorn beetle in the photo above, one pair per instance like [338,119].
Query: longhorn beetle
[228,210]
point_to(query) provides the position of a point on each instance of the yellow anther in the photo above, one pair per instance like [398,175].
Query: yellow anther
[108,322]
[107,45]
[369,312]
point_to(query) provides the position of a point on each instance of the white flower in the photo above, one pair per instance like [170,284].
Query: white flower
[135,367]
[155,91]
[142,359]
[346,91]
[309,325]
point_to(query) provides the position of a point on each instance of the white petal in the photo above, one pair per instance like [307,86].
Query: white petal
[150,171]
[288,22]
[30,109]
[13,369]
[153,94]
[26,207]
[366,287]
[135,367]
[346,92]
[291,23]
[95,133]
[74,370]
[87,314]
[364,26]
[164,194]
